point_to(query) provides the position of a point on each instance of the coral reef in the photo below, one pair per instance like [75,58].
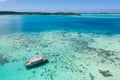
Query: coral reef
[3,60]
[105,73]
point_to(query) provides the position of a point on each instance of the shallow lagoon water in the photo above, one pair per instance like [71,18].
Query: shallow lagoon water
[74,52]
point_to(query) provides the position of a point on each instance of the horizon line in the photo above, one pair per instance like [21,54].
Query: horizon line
[61,11]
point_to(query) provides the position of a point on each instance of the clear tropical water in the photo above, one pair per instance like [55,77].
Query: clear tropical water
[83,47]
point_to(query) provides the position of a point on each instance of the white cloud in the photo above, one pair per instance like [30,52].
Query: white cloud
[2,0]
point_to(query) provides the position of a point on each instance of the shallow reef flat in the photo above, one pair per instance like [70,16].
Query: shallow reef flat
[72,56]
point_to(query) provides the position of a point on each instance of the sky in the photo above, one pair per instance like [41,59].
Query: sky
[61,5]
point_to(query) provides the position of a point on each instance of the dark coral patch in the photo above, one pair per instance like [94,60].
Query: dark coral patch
[3,60]
[105,73]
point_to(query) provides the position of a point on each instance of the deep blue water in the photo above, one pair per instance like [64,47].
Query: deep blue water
[36,23]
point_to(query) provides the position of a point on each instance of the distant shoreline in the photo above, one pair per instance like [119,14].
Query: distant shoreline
[46,13]
[37,13]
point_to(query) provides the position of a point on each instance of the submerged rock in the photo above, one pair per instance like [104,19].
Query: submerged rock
[91,76]
[36,53]
[3,60]
[34,72]
[106,73]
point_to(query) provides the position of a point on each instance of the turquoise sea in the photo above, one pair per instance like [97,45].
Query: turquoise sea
[85,47]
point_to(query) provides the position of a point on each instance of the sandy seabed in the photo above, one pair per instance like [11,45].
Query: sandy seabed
[72,56]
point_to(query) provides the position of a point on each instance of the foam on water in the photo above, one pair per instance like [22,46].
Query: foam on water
[72,56]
